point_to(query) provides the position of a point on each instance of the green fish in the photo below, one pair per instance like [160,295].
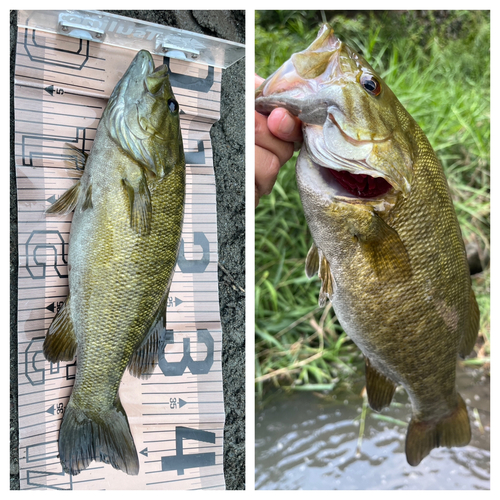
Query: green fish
[128,212]
[387,244]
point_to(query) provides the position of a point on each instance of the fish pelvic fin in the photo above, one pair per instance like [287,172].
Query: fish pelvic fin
[104,437]
[312,261]
[422,437]
[60,343]
[327,282]
[379,388]
[316,263]
[470,336]
[145,357]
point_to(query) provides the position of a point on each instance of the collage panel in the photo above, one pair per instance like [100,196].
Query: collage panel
[127,250]
[372,250]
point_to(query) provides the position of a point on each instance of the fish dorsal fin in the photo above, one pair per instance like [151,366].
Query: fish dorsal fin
[145,358]
[378,387]
[312,261]
[60,343]
[470,335]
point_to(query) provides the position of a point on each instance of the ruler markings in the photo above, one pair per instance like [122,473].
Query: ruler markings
[195,129]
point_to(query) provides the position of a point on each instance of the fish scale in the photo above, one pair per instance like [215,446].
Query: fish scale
[393,265]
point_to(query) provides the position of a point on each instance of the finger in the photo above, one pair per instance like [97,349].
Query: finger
[284,125]
[267,166]
[266,140]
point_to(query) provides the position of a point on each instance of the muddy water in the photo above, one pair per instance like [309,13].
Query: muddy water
[306,441]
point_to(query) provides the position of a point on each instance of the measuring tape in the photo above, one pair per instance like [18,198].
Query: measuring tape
[176,417]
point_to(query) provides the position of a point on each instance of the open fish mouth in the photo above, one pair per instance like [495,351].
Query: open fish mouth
[355,178]
[336,184]
[361,185]
[342,168]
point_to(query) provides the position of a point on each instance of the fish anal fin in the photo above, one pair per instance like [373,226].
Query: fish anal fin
[312,261]
[145,358]
[67,202]
[422,436]
[139,197]
[379,388]
[60,343]
[470,335]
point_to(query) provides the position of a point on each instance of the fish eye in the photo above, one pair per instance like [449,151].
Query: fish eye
[370,84]
[173,106]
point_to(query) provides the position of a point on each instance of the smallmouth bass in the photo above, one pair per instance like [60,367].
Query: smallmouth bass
[125,234]
[387,244]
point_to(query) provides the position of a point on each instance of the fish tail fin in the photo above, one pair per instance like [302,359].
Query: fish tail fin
[422,437]
[103,437]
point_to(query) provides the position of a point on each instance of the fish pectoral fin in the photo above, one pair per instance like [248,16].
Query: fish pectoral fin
[145,357]
[312,261]
[87,201]
[381,246]
[327,282]
[379,388]
[423,436]
[60,343]
[67,202]
[140,203]
[470,335]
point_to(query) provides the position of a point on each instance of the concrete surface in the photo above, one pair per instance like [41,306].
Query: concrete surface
[228,136]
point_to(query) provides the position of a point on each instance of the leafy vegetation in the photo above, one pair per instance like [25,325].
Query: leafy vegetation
[438,64]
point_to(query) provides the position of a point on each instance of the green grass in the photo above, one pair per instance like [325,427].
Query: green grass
[439,70]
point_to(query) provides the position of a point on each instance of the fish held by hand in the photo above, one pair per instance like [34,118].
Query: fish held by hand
[387,244]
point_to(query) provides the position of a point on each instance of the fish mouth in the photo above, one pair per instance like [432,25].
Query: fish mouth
[360,185]
[334,184]
[355,183]
[344,165]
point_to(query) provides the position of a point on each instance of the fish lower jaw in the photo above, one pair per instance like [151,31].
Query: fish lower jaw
[328,185]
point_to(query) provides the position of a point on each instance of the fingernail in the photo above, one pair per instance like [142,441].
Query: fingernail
[287,124]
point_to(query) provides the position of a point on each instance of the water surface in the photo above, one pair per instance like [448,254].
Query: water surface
[308,441]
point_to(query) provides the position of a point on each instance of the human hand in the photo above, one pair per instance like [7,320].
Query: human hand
[274,138]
